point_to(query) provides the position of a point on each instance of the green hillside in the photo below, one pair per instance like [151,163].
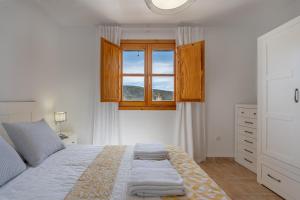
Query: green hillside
[137,93]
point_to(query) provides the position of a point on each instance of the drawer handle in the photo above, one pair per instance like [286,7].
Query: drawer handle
[249,161]
[248,151]
[248,141]
[249,132]
[248,122]
[275,179]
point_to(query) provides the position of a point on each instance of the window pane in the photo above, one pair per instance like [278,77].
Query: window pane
[162,88]
[133,62]
[133,89]
[163,62]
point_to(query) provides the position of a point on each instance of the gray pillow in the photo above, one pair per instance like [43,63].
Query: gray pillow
[11,164]
[35,141]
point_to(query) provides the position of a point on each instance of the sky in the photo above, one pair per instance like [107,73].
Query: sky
[163,61]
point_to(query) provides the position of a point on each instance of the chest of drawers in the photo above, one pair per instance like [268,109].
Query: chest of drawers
[245,136]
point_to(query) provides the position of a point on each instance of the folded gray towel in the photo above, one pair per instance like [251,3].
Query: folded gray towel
[155,179]
[150,152]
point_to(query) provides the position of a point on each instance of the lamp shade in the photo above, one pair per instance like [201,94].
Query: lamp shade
[60,116]
[168,4]
[166,7]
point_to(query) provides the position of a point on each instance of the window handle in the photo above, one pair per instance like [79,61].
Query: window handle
[296,95]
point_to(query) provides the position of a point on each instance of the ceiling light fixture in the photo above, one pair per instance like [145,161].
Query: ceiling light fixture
[167,7]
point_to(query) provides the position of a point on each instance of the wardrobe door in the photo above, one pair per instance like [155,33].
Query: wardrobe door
[281,83]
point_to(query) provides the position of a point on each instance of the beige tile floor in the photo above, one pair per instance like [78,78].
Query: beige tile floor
[238,182]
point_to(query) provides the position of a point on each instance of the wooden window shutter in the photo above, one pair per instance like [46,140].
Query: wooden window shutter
[190,74]
[110,83]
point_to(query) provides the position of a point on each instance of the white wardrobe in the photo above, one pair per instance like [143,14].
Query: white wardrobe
[279,110]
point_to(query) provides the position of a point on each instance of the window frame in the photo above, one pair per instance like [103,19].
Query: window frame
[148,46]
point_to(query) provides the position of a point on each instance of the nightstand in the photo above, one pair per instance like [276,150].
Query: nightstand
[72,139]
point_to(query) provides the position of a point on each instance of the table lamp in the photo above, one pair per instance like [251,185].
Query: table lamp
[59,118]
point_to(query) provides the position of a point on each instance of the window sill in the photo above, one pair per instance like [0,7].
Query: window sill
[173,107]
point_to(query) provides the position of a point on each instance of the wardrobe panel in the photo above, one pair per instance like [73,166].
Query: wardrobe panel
[276,145]
[283,51]
[280,96]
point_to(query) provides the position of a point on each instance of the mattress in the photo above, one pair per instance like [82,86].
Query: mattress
[57,175]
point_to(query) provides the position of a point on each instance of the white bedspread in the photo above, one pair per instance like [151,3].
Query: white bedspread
[54,178]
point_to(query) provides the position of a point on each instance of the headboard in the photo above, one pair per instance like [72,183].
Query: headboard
[15,112]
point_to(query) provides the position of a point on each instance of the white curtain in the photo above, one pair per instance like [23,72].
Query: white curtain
[190,117]
[106,115]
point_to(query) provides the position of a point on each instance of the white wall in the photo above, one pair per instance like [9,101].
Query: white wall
[69,84]
[42,61]
[230,79]
[55,65]
[230,74]
[16,55]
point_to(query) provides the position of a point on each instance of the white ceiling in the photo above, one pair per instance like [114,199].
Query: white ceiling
[87,12]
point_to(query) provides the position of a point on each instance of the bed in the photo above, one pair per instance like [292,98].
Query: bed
[94,172]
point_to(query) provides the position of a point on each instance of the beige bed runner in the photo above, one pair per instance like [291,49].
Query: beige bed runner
[97,182]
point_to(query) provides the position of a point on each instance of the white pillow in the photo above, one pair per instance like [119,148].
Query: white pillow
[35,141]
[11,164]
